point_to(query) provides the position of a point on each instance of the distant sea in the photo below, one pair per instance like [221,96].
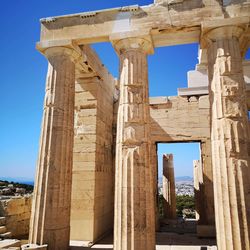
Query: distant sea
[31,182]
[21,180]
[183,178]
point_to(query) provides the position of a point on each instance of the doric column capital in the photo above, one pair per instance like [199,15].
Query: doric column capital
[82,56]
[53,52]
[224,32]
[134,43]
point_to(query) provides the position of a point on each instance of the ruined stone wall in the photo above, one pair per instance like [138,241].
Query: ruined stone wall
[92,188]
[17,215]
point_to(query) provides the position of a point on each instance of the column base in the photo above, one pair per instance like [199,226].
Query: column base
[33,247]
[206,231]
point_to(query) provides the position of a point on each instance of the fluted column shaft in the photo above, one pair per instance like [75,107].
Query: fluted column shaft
[229,136]
[206,191]
[50,220]
[199,192]
[154,165]
[134,226]
[168,187]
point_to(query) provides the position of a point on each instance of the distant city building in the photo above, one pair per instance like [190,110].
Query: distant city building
[181,188]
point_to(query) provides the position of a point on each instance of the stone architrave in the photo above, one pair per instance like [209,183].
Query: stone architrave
[134,225]
[198,190]
[50,218]
[229,138]
[168,185]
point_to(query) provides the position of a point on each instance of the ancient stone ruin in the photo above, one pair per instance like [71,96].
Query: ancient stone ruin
[15,213]
[97,167]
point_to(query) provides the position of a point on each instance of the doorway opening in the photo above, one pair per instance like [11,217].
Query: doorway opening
[180,194]
[179,170]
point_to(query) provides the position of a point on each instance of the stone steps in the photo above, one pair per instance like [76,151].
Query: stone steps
[10,244]
[6,235]
[3,229]
[2,221]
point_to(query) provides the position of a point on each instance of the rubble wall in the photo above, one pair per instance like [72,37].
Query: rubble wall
[17,213]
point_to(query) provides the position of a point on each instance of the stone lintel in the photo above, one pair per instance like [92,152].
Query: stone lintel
[158,100]
[194,91]
[167,27]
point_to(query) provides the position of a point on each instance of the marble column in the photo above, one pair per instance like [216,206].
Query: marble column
[198,191]
[134,226]
[206,189]
[50,219]
[154,165]
[229,138]
[168,185]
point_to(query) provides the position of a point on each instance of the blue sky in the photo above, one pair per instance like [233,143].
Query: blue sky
[183,156]
[23,72]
